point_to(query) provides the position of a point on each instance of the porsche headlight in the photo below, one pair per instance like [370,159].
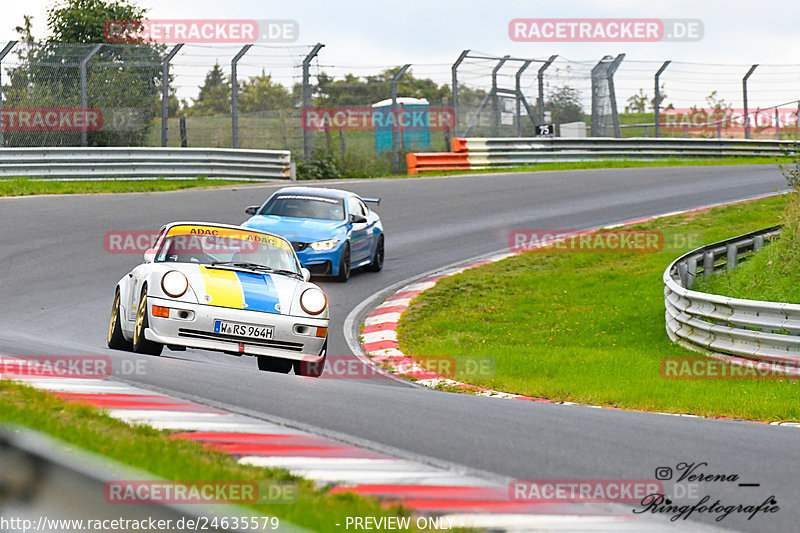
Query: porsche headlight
[313,301]
[174,283]
[324,245]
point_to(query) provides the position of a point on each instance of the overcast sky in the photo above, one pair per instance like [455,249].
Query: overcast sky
[369,34]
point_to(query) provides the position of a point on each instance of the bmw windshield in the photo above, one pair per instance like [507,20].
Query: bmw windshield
[305,206]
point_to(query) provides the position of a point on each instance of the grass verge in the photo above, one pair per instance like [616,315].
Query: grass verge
[771,274]
[589,327]
[28,187]
[175,459]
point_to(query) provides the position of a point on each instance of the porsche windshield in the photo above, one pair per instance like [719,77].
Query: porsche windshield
[305,206]
[227,248]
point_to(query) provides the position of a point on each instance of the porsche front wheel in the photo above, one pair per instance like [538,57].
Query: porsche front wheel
[274,364]
[312,369]
[116,340]
[140,344]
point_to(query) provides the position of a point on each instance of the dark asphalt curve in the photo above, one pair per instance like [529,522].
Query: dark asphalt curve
[57,282]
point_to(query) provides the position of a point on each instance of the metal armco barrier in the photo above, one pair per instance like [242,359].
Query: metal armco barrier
[55,487]
[710,323]
[502,152]
[143,163]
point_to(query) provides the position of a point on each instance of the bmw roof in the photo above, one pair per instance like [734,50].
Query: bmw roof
[316,191]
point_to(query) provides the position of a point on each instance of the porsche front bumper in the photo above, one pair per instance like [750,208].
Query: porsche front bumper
[192,326]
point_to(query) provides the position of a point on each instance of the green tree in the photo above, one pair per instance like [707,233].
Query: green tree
[84,21]
[214,97]
[122,81]
[564,104]
[260,93]
[640,102]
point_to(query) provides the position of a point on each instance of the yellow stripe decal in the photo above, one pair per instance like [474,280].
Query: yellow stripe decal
[224,288]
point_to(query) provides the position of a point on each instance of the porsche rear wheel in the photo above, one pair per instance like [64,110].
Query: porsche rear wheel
[377,260]
[312,369]
[140,344]
[274,364]
[116,340]
[344,264]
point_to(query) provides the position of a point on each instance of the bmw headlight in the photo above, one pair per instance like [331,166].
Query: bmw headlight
[324,245]
[313,301]
[174,283]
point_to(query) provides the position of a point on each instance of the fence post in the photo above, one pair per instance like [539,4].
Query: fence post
[3,54]
[165,91]
[84,97]
[454,70]
[657,100]
[518,89]
[235,95]
[495,98]
[540,80]
[604,72]
[744,98]
[308,142]
[396,122]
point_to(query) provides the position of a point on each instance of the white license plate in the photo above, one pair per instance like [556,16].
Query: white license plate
[243,330]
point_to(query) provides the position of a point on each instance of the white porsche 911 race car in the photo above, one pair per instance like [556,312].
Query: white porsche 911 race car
[225,288]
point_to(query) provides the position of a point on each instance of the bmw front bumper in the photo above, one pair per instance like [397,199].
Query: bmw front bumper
[323,262]
[192,326]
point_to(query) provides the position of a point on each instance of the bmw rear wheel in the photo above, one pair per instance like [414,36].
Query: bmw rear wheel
[140,344]
[377,259]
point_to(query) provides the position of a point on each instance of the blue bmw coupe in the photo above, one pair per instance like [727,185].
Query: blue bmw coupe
[332,231]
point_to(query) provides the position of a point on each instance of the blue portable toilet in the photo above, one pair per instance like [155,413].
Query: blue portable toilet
[411,118]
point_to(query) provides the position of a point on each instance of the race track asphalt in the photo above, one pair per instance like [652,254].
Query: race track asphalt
[57,282]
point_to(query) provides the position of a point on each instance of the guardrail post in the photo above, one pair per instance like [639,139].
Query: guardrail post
[657,99]
[540,83]
[495,98]
[518,90]
[165,92]
[731,252]
[396,123]
[744,99]
[84,96]
[708,264]
[691,273]
[683,273]
[235,95]
[3,53]
[454,70]
[308,142]
[758,243]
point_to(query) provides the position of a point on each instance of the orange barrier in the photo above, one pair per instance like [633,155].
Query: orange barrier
[459,144]
[427,161]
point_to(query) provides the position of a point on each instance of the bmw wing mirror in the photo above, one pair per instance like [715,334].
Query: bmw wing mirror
[252,210]
[357,219]
[149,255]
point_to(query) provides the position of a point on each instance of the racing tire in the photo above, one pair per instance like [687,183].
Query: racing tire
[377,259]
[312,369]
[140,344]
[116,341]
[274,364]
[344,264]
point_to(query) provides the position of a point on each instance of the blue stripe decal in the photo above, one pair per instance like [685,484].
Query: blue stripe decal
[259,292]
